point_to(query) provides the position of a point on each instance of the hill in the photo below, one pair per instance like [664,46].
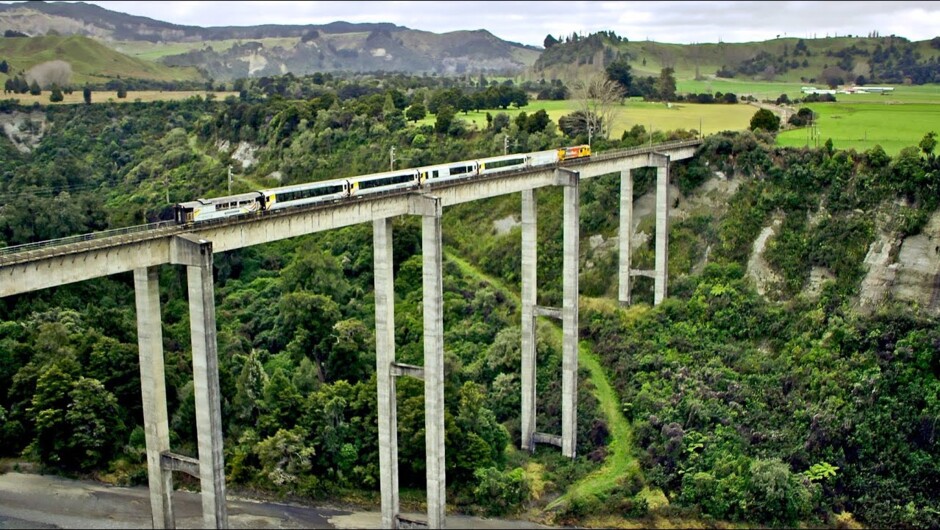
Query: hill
[890,59]
[90,61]
[227,53]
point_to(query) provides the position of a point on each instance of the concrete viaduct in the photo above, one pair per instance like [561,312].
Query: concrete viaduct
[42,265]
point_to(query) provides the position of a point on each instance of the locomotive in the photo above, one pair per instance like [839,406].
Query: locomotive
[337,189]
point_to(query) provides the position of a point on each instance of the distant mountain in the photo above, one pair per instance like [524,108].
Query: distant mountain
[231,52]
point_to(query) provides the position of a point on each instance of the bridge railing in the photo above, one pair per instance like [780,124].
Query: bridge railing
[619,153]
[26,247]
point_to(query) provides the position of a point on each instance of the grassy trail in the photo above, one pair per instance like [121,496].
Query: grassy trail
[620,461]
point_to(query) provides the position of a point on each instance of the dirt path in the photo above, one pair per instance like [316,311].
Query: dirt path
[620,461]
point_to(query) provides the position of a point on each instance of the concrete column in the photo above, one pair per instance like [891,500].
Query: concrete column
[196,254]
[433,291]
[384,357]
[153,394]
[662,231]
[529,293]
[626,235]
[569,364]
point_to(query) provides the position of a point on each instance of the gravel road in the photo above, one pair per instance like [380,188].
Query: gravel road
[46,501]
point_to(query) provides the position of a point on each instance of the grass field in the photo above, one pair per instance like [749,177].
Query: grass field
[861,126]
[855,121]
[90,60]
[658,116]
[101,96]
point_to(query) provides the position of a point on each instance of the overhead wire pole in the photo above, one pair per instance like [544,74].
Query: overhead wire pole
[391,158]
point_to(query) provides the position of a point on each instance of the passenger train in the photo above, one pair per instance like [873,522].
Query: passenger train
[333,190]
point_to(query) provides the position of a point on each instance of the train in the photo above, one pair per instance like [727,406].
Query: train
[327,191]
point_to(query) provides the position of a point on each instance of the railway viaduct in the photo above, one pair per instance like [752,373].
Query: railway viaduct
[143,249]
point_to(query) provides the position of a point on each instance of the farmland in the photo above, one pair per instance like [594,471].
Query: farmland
[144,96]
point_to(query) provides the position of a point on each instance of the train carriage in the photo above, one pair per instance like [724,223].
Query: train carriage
[309,193]
[383,182]
[499,164]
[444,172]
[218,208]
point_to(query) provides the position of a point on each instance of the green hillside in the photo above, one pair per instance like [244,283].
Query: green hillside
[91,61]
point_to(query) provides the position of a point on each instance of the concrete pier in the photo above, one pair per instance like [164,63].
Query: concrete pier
[625,236]
[196,254]
[153,394]
[433,291]
[662,227]
[529,299]
[384,359]
[569,377]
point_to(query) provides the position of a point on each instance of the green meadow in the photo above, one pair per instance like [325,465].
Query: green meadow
[656,116]
[861,126]
[855,121]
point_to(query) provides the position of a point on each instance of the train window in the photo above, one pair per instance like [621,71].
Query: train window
[496,164]
[308,192]
[460,170]
[387,181]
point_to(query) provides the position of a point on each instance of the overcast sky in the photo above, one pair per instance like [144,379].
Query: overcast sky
[528,22]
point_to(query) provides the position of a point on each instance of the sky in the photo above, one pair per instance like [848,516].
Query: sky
[529,22]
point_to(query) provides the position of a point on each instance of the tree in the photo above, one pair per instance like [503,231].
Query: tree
[537,121]
[549,41]
[56,95]
[86,95]
[4,67]
[94,426]
[416,112]
[121,91]
[284,457]
[445,116]
[620,72]
[34,88]
[598,101]
[928,143]
[666,84]
[765,120]
[351,352]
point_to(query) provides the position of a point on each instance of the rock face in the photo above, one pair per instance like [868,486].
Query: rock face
[881,274]
[24,129]
[918,271]
[757,267]
[905,270]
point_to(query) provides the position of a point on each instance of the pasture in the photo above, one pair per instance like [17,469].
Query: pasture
[855,121]
[656,116]
[103,96]
[861,126]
